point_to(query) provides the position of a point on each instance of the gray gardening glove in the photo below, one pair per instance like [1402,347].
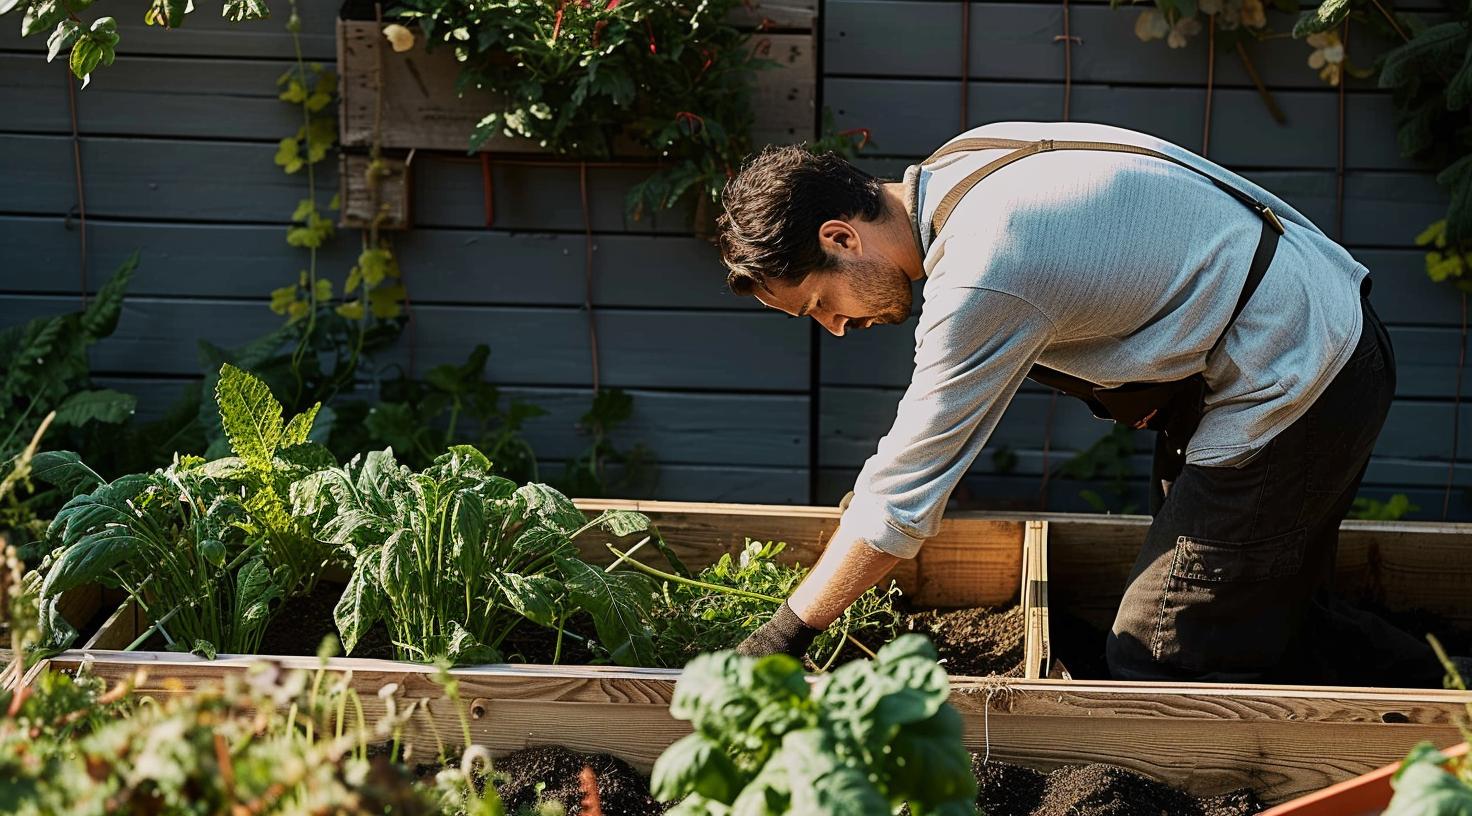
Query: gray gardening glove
[785,633]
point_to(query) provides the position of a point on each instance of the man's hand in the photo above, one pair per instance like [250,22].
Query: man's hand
[785,633]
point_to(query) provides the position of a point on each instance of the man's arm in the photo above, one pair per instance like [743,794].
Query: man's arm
[975,347]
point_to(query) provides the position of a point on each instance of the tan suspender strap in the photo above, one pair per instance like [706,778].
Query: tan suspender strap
[1021,150]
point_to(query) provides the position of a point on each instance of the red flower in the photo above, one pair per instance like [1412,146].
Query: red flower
[612,4]
[557,26]
[649,28]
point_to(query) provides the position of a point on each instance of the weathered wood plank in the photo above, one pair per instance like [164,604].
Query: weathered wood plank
[440,266]
[972,561]
[907,118]
[215,98]
[1037,659]
[387,202]
[205,33]
[420,107]
[678,428]
[157,336]
[1279,741]
[1015,41]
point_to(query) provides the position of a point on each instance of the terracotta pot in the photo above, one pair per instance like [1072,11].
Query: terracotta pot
[1365,795]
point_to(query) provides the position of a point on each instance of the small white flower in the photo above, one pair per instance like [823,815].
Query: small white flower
[401,38]
[1184,28]
[1151,25]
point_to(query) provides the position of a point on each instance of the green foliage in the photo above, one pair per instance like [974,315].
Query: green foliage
[604,469]
[871,737]
[452,405]
[670,77]
[1108,459]
[206,548]
[690,620]
[1393,509]
[94,44]
[1428,782]
[453,558]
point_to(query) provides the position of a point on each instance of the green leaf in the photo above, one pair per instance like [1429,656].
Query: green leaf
[65,470]
[101,315]
[1424,788]
[822,785]
[1426,53]
[167,13]
[1329,14]
[237,10]
[300,427]
[57,632]
[86,56]
[928,761]
[1456,179]
[212,550]
[7,6]
[695,764]
[102,405]
[361,604]
[42,15]
[204,649]
[464,648]
[533,596]
[250,415]
[65,34]
[254,592]
[619,606]
[622,522]
[1459,89]
[551,507]
[90,558]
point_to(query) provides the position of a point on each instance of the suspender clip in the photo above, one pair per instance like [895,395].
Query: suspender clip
[1045,145]
[1271,217]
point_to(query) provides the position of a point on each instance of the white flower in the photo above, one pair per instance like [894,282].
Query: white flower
[401,38]
[1184,28]
[1151,25]
[1210,6]
[1327,57]
[1253,14]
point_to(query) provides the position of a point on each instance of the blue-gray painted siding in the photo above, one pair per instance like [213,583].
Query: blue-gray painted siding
[177,145]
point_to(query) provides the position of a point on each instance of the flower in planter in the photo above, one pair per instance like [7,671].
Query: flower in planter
[1151,25]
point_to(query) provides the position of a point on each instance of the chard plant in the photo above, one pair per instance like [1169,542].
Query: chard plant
[729,599]
[871,737]
[205,548]
[453,558]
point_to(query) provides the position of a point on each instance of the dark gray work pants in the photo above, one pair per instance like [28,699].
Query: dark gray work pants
[1234,583]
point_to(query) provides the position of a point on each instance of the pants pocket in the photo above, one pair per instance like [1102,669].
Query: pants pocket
[1222,562]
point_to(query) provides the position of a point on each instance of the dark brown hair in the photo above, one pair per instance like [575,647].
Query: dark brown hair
[774,207]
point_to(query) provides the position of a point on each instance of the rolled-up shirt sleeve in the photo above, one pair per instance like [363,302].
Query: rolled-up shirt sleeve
[974,346]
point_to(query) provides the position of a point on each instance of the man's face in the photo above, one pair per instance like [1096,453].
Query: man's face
[859,293]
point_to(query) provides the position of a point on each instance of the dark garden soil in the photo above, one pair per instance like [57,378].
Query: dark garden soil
[301,623]
[1095,790]
[979,642]
[622,791]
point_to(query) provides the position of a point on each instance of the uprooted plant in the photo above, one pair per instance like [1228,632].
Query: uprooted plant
[204,548]
[454,558]
[871,737]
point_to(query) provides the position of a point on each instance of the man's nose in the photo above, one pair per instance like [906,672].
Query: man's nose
[835,324]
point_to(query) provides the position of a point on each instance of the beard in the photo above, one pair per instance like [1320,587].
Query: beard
[882,288]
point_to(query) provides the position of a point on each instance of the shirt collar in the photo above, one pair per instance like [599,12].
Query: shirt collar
[912,192]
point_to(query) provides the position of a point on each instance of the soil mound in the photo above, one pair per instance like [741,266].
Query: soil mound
[621,790]
[980,642]
[1095,790]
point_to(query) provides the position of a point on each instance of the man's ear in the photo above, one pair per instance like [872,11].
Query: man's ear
[838,236]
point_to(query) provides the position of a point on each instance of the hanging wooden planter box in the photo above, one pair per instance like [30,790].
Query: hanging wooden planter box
[420,108]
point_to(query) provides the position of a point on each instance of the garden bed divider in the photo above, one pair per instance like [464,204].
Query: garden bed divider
[1035,601]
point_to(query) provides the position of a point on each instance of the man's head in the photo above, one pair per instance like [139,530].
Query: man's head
[813,235]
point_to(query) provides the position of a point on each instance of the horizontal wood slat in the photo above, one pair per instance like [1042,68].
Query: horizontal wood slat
[914,117]
[637,348]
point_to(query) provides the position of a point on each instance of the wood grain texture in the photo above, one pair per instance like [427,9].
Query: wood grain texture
[1036,648]
[636,346]
[1282,741]
[361,205]
[1014,41]
[421,108]
[902,114]
[972,561]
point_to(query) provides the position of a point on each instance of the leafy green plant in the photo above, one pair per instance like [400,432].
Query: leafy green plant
[45,364]
[93,44]
[670,78]
[871,737]
[603,468]
[454,557]
[1429,783]
[1392,509]
[729,599]
[205,548]
[452,405]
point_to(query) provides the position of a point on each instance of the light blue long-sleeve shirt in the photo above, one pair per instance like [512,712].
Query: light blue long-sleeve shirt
[1114,268]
